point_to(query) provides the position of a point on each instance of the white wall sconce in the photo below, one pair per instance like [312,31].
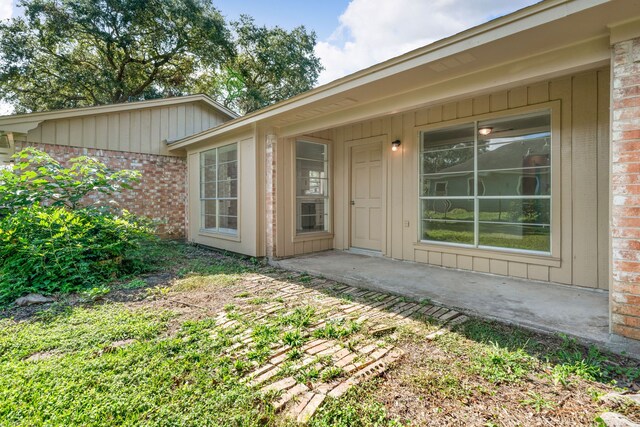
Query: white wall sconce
[395,145]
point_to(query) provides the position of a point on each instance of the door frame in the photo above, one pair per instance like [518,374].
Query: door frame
[348,145]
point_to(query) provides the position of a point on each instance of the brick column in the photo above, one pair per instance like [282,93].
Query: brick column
[625,189]
[270,194]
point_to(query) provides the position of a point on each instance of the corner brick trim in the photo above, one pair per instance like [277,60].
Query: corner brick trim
[625,212]
[270,194]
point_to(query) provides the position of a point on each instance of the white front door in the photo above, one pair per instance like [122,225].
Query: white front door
[366,196]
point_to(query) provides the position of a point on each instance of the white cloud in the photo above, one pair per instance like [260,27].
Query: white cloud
[6,109]
[6,9]
[372,31]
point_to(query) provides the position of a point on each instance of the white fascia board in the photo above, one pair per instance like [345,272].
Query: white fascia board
[223,129]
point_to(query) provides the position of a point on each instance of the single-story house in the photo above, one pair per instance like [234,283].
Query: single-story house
[540,108]
[511,148]
[133,135]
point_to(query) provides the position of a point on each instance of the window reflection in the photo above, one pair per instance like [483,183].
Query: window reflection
[219,189]
[507,175]
[312,187]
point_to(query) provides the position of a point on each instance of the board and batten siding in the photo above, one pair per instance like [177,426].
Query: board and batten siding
[246,241]
[143,130]
[583,260]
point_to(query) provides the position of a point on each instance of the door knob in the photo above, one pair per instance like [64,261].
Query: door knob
[353,202]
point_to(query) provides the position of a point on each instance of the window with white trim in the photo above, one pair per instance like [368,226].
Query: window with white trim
[312,187]
[219,189]
[6,148]
[471,188]
[510,208]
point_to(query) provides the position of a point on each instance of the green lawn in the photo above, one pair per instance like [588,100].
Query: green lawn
[493,231]
[156,354]
[157,379]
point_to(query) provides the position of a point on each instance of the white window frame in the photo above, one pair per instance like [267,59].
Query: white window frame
[553,108]
[446,188]
[470,188]
[298,200]
[9,150]
[520,178]
[218,229]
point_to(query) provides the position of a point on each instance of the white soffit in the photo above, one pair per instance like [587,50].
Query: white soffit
[530,35]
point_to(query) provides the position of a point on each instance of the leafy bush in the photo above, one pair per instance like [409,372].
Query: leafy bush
[53,237]
[36,177]
[52,249]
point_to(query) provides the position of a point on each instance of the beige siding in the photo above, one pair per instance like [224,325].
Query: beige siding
[581,254]
[247,241]
[580,205]
[585,177]
[603,157]
[144,130]
[288,243]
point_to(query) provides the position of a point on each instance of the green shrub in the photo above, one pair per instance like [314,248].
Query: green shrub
[37,178]
[54,236]
[52,249]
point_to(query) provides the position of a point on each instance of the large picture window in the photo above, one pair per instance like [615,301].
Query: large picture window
[510,159]
[219,189]
[312,187]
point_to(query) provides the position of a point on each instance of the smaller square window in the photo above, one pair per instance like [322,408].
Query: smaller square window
[470,188]
[441,188]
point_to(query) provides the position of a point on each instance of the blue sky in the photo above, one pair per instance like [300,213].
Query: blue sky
[320,16]
[355,34]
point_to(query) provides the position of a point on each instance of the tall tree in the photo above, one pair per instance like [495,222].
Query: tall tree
[74,53]
[271,64]
[69,53]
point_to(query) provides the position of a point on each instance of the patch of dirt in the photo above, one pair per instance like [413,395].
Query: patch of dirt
[122,343]
[42,355]
[431,387]
[191,304]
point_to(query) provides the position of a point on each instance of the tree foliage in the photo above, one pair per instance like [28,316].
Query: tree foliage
[270,65]
[70,53]
[75,53]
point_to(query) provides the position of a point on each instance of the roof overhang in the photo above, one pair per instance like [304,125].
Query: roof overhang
[22,123]
[551,38]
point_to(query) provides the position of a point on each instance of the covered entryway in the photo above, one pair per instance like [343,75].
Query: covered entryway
[579,312]
[366,196]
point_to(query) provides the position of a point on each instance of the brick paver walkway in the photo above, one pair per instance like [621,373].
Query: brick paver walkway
[376,315]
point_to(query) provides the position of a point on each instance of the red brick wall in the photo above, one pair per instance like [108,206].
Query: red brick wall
[625,215]
[161,193]
[270,195]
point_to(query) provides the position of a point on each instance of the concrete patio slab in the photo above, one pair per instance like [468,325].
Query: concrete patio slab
[579,312]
